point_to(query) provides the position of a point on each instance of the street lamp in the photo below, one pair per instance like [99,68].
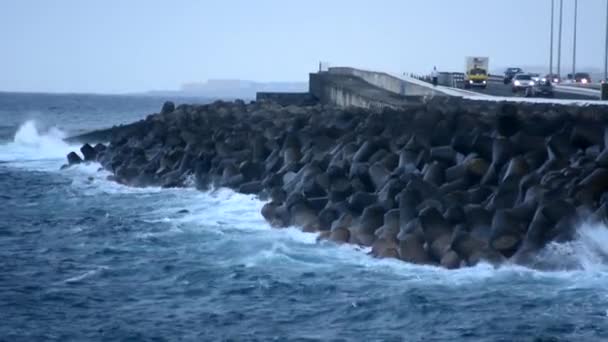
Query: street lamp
[559,39]
[551,44]
[574,42]
[606,52]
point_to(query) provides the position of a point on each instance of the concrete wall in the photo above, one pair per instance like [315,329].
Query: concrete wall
[387,82]
[351,91]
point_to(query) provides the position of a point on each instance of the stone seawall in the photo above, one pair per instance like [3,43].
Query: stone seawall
[440,181]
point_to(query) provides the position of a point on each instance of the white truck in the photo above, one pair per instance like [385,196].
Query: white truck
[476,72]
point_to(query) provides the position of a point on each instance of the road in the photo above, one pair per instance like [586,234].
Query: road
[500,89]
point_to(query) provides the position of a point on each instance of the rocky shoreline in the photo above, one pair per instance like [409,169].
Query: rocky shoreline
[446,182]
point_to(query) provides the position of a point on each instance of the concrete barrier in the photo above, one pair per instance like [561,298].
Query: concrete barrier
[387,82]
[345,90]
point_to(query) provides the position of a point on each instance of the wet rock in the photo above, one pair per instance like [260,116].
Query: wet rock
[253,187]
[507,233]
[450,260]
[340,235]
[411,249]
[371,219]
[73,158]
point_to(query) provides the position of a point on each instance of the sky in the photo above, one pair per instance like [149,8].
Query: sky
[119,46]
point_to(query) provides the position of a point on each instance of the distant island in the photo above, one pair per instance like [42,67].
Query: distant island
[229,89]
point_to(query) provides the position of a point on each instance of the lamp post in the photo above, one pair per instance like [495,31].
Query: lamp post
[551,40]
[559,39]
[606,52]
[574,42]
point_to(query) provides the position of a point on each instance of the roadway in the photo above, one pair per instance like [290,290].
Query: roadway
[498,88]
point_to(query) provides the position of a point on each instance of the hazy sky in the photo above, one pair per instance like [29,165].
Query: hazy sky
[115,46]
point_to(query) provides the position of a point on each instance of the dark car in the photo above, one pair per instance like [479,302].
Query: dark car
[509,73]
[580,77]
[543,88]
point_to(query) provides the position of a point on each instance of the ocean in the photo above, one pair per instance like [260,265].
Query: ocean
[86,259]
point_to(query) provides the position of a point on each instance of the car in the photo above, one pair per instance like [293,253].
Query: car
[535,77]
[582,77]
[521,82]
[554,78]
[509,73]
[543,88]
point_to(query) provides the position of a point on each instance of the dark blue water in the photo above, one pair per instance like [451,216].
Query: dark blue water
[84,259]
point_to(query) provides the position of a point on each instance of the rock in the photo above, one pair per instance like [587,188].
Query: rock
[302,215]
[269,211]
[450,260]
[340,235]
[583,136]
[364,152]
[516,170]
[360,200]
[444,154]
[433,224]
[253,187]
[385,248]
[507,233]
[464,244]
[390,227]
[378,175]
[411,249]
[455,215]
[434,173]
[168,107]
[502,150]
[507,122]
[592,186]
[99,147]
[327,216]
[371,219]
[73,158]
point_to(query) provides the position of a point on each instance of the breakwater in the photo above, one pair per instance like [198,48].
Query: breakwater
[444,181]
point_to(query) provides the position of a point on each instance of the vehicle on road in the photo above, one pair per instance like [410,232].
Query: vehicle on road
[543,88]
[580,77]
[476,72]
[509,73]
[521,82]
[554,78]
[535,77]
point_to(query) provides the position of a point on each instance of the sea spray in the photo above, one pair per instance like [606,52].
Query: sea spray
[31,143]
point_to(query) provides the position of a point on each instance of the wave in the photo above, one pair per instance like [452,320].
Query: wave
[587,252]
[31,143]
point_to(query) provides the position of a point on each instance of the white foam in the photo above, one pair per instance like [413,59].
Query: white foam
[32,144]
[86,275]
[588,252]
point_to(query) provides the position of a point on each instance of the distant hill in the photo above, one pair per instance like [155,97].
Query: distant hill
[230,89]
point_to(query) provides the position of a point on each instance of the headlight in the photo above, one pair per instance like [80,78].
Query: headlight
[484,82]
[556,80]
[532,83]
[544,80]
[584,81]
[517,83]
[471,81]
